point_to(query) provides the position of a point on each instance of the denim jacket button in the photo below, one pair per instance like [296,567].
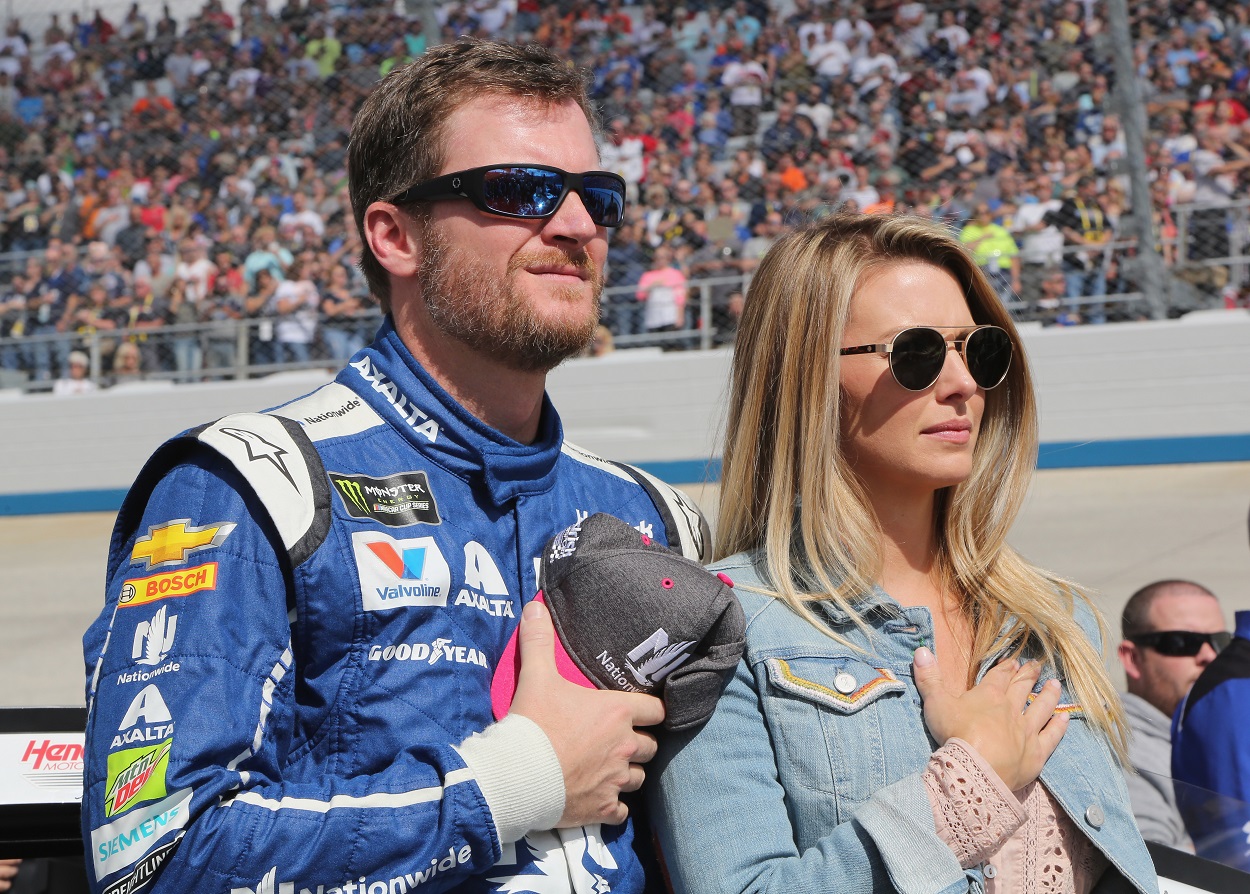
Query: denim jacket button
[1094,816]
[989,871]
[845,683]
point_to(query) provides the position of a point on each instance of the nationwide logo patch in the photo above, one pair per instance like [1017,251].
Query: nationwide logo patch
[396,573]
[183,582]
[396,500]
[154,638]
[168,544]
[136,775]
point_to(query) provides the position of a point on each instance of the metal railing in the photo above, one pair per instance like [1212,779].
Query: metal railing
[250,348]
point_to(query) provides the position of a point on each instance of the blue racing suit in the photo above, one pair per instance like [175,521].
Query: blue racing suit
[1211,754]
[289,684]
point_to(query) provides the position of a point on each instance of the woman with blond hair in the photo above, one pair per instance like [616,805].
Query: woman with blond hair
[918,709]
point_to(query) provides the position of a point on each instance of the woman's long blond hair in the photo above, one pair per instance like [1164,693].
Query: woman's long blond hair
[788,492]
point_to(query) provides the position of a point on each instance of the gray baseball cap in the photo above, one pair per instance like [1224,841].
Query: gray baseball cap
[634,616]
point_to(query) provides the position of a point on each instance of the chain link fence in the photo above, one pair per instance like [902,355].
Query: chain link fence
[175,205]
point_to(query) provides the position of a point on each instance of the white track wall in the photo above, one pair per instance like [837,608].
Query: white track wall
[1126,394]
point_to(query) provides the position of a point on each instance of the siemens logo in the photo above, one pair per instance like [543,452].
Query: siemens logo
[121,843]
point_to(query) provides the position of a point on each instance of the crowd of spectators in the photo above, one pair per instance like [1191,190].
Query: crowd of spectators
[166,175]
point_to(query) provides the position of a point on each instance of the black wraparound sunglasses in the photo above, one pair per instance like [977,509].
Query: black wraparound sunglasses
[529,192]
[1181,643]
[918,354]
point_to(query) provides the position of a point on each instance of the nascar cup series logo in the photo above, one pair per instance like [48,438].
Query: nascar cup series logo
[397,573]
[396,501]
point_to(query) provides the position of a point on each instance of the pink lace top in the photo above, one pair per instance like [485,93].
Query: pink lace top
[1024,840]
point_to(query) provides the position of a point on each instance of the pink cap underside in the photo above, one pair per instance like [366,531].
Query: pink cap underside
[503,685]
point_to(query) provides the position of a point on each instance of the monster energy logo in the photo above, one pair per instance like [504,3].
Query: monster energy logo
[396,501]
[353,493]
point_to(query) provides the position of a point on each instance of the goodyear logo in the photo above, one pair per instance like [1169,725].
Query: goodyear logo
[169,543]
[396,501]
[136,775]
[183,582]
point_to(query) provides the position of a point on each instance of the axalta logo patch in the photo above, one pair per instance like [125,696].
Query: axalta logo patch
[417,418]
[136,775]
[484,588]
[183,582]
[147,719]
[396,501]
[396,573]
[168,544]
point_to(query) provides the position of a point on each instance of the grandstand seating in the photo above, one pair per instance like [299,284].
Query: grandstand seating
[152,166]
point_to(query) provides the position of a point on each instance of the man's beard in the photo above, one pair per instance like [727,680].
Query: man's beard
[473,305]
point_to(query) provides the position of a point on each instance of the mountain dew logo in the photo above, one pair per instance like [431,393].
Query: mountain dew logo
[133,777]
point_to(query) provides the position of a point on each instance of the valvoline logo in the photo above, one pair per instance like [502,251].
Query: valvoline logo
[409,565]
[398,573]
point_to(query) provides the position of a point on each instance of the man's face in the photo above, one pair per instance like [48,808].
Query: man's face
[1163,680]
[522,292]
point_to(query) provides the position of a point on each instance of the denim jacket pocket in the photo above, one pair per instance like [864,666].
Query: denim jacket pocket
[853,686]
[1067,699]
[857,711]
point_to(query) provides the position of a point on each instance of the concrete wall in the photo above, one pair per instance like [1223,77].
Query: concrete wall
[1128,394]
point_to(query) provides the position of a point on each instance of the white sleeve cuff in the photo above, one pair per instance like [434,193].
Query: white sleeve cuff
[519,775]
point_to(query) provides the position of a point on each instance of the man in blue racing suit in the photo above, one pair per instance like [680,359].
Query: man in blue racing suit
[289,684]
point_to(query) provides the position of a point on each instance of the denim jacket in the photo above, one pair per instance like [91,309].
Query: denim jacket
[808,777]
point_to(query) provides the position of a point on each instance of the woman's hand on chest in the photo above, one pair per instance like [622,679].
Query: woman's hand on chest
[995,717]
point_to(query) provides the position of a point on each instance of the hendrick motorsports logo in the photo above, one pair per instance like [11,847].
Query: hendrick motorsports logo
[48,756]
[397,573]
[396,501]
[55,765]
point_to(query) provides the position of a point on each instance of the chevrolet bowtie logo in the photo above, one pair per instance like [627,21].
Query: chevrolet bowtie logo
[169,543]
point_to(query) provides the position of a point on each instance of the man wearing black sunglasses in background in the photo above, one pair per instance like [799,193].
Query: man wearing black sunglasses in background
[1172,629]
[289,685]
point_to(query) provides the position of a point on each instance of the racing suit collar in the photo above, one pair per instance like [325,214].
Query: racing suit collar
[395,385]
